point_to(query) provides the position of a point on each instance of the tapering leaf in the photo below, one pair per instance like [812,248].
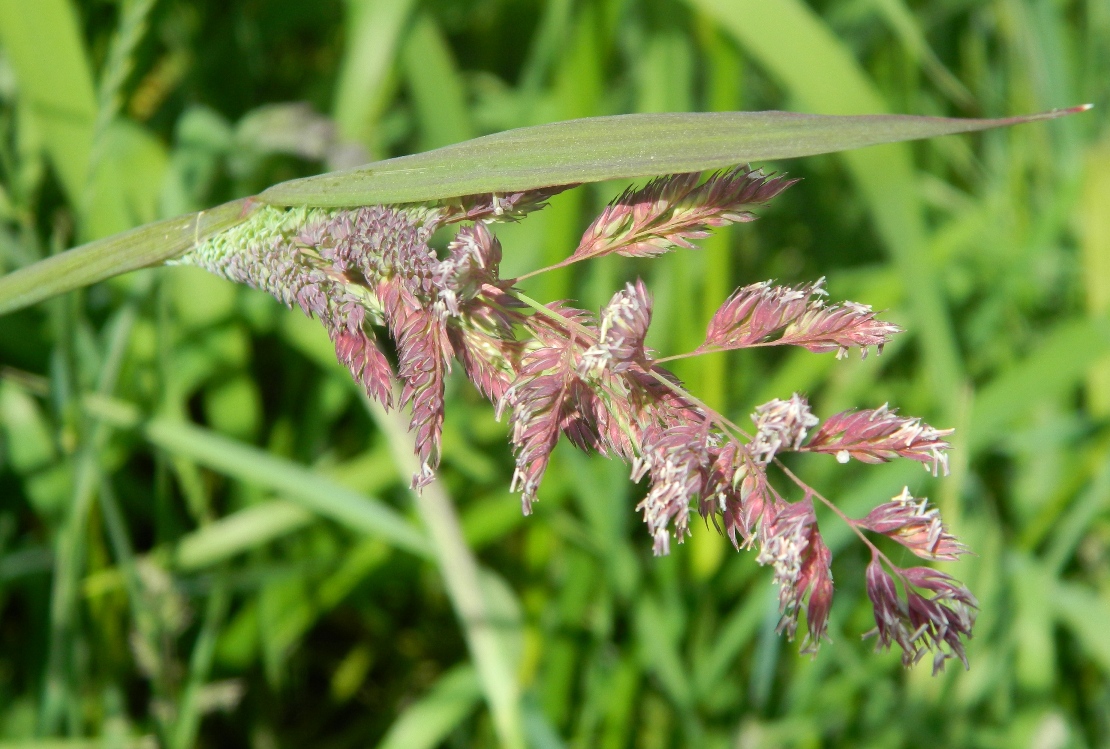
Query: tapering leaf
[85,265]
[562,153]
[617,147]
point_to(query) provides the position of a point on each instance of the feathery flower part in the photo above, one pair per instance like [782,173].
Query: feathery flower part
[741,494]
[918,625]
[620,341]
[678,462]
[558,370]
[916,526]
[670,211]
[543,398]
[780,425]
[792,545]
[766,315]
[879,435]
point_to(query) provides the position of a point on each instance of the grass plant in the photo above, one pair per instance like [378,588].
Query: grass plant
[207,535]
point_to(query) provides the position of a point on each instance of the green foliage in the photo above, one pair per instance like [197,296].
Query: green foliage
[205,535]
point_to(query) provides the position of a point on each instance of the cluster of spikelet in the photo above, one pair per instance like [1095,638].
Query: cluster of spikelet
[556,370]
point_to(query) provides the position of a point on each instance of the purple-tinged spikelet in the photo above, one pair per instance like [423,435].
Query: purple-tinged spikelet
[472,263]
[620,340]
[912,523]
[780,425]
[677,459]
[918,625]
[489,207]
[484,343]
[762,315]
[878,435]
[424,356]
[739,492]
[671,211]
[542,399]
[792,545]
[356,351]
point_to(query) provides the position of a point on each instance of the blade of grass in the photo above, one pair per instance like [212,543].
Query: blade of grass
[1085,613]
[239,532]
[722,94]
[1096,264]
[460,572]
[134,15]
[359,561]
[118,66]
[200,665]
[142,742]
[426,723]
[85,265]
[70,539]
[735,632]
[42,41]
[902,22]
[437,90]
[1072,527]
[375,28]
[577,91]
[142,621]
[620,147]
[252,465]
[1057,364]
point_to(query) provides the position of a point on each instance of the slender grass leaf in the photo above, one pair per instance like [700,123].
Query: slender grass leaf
[659,653]
[375,27]
[143,742]
[1096,263]
[480,610]
[1035,647]
[303,612]
[239,532]
[126,183]
[43,43]
[818,70]
[189,710]
[1085,613]
[735,632]
[314,492]
[427,722]
[104,258]
[1072,527]
[621,147]
[258,467]
[437,90]
[617,147]
[1058,363]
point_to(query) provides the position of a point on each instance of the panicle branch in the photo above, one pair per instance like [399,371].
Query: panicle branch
[556,370]
[495,207]
[669,212]
[878,435]
[920,625]
[912,523]
[765,315]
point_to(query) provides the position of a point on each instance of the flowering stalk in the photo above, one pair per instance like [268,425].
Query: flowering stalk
[555,370]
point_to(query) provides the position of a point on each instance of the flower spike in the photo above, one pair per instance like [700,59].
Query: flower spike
[559,370]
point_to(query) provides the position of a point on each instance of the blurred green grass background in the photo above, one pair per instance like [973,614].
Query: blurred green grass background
[190,485]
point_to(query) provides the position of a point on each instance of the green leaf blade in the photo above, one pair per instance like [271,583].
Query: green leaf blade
[96,261]
[617,147]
